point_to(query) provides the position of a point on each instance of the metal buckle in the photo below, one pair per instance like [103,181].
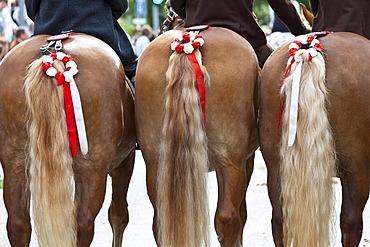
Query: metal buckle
[171,14]
[58,46]
[46,47]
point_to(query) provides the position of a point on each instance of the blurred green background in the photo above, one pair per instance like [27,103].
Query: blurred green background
[261,10]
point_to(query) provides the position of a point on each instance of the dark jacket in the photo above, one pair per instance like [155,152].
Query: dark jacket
[237,16]
[96,17]
[342,16]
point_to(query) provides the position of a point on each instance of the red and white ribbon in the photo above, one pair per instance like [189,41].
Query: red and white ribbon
[188,43]
[72,100]
[303,49]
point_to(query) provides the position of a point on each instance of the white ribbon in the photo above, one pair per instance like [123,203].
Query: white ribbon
[79,117]
[293,114]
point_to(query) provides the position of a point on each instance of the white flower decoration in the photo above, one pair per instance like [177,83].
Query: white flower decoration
[173,45]
[68,76]
[188,48]
[51,72]
[60,55]
[70,65]
[195,41]
[47,59]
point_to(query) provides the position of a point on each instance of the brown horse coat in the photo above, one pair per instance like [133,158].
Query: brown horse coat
[109,119]
[230,132]
[347,82]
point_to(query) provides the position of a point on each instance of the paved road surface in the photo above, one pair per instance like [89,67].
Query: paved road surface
[257,232]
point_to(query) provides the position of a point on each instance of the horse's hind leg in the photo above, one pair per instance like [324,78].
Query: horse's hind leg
[231,211]
[17,200]
[90,192]
[271,157]
[355,193]
[118,211]
[273,186]
[243,206]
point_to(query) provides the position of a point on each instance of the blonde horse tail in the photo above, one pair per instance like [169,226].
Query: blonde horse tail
[183,217]
[50,162]
[307,167]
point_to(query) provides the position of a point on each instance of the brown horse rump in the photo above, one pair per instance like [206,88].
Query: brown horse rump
[35,154]
[334,92]
[220,58]
[179,148]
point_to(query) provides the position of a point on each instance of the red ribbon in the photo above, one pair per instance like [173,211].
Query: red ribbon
[70,114]
[199,77]
[68,103]
[71,125]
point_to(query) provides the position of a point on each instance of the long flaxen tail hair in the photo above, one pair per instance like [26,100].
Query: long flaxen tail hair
[307,167]
[50,161]
[182,186]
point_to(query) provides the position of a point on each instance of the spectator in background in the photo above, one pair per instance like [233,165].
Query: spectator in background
[22,21]
[20,35]
[279,31]
[146,36]
[13,6]
[6,22]
[3,48]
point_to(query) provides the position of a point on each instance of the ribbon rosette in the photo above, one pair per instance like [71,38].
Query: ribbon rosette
[187,42]
[309,43]
[303,49]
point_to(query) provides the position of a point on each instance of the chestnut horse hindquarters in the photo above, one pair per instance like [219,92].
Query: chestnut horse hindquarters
[331,111]
[168,108]
[33,129]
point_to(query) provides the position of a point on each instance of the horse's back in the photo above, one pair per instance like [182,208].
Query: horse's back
[233,69]
[180,141]
[224,51]
[40,119]
[100,82]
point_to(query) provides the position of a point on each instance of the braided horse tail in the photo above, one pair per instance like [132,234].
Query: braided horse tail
[50,161]
[307,167]
[182,186]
